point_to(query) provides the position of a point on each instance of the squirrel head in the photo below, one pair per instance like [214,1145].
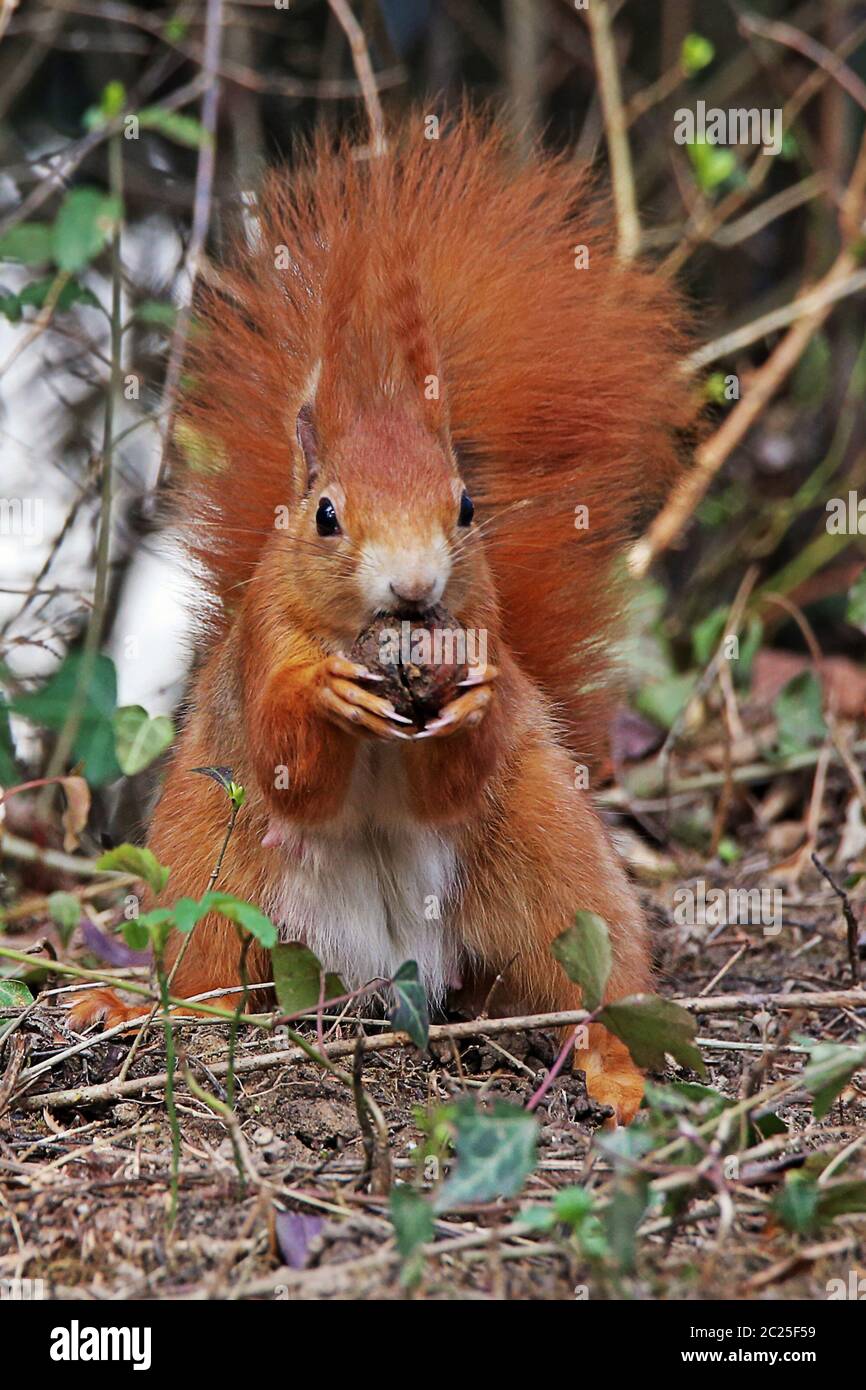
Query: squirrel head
[383,522]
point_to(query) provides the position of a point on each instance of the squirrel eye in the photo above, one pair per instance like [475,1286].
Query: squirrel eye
[467,510]
[326,518]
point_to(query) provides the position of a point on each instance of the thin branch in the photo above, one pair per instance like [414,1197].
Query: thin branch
[364,72]
[200,222]
[616,129]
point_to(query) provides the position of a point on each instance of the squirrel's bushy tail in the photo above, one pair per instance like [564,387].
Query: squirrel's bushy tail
[554,368]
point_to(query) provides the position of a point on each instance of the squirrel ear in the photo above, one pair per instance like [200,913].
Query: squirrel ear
[308,445]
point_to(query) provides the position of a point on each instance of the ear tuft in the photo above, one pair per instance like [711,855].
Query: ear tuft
[308,443]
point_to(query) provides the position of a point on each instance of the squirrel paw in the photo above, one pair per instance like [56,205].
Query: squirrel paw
[467,710]
[102,1006]
[351,707]
[611,1076]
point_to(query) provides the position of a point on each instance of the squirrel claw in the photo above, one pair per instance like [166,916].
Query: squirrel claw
[357,711]
[463,713]
[479,675]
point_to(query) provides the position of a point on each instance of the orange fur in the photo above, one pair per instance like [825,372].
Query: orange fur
[557,388]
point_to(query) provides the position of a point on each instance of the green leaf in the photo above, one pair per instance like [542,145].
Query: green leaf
[176,29]
[650,1027]
[622,1217]
[713,165]
[8,773]
[49,706]
[156,314]
[796,1205]
[707,635]
[584,953]
[35,295]
[183,130]
[158,924]
[136,859]
[10,307]
[828,1071]
[409,1014]
[663,700]
[65,910]
[31,243]
[297,978]
[138,739]
[14,994]
[855,613]
[496,1152]
[243,914]
[136,934]
[221,775]
[186,913]
[86,220]
[799,717]
[696,54]
[841,1198]
[412,1219]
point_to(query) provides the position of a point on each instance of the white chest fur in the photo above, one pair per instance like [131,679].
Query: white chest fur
[372,888]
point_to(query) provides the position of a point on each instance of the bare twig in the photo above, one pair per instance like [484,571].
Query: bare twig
[200,221]
[364,72]
[847,913]
[616,128]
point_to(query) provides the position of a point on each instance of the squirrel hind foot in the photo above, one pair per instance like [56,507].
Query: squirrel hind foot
[102,1006]
[612,1078]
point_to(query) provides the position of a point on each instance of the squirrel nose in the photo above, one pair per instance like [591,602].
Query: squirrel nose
[417,590]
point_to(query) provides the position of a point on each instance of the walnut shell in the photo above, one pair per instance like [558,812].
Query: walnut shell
[415,655]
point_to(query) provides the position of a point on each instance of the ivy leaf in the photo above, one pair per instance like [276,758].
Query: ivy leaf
[622,1217]
[14,994]
[584,953]
[138,739]
[65,910]
[650,1027]
[662,700]
[183,130]
[138,860]
[297,978]
[87,218]
[496,1152]
[36,293]
[409,1014]
[49,706]
[243,914]
[31,243]
[796,1205]
[828,1071]
[412,1219]
[799,714]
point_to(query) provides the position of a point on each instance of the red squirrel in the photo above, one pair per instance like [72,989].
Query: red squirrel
[426,379]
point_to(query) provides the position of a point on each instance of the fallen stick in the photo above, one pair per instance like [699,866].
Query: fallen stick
[476,1027]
